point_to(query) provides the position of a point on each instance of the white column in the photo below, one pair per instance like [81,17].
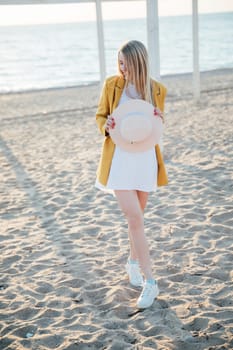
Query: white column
[153,37]
[101,49]
[196,72]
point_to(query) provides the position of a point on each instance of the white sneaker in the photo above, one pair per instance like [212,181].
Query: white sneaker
[149,293]
[135,277]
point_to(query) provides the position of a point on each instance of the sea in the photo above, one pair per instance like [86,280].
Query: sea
[66,55]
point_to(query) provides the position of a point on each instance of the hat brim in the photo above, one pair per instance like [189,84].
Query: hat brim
[147,111]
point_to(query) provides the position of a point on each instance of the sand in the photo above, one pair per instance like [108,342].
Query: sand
[64,243]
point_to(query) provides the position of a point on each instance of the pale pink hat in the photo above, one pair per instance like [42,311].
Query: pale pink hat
[136,129]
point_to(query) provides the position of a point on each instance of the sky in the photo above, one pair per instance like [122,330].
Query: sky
[59,13]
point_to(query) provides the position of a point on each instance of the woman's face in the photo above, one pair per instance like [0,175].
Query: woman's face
[122,65]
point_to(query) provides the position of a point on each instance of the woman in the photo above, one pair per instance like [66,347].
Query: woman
[116,170]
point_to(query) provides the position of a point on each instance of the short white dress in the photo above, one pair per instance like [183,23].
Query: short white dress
[131,171]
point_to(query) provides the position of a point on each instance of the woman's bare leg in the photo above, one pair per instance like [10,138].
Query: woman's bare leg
[132,204]
[142,197]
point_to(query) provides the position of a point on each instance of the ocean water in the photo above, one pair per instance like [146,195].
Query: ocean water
[62,55]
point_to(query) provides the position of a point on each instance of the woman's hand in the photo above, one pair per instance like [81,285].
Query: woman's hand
[158,113]
[110,123]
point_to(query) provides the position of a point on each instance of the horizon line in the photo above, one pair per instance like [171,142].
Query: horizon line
[109,19]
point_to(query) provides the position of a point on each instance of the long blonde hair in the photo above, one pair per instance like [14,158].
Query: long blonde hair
[137,64]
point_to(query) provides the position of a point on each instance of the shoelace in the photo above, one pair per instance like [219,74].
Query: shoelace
[135,270]
[147,290]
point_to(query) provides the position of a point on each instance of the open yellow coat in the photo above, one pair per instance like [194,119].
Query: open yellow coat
[111,93]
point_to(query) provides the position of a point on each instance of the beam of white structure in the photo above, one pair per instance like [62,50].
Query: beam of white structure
[196,72]
[153,37]
[100,32]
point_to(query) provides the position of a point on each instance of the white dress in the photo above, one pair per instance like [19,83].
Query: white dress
[132,171]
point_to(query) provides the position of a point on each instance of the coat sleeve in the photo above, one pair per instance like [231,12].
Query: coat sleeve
[159,94]
[103,110]
[162,96]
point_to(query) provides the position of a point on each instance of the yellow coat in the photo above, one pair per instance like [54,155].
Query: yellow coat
[111,93]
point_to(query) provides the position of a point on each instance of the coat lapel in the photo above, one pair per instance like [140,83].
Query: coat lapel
[118,91]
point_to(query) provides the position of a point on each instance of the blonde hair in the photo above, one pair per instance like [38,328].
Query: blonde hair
[137,64]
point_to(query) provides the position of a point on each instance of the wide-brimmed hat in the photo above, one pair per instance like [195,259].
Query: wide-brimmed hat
[136,129]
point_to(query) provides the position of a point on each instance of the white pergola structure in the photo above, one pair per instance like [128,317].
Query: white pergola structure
[152,35]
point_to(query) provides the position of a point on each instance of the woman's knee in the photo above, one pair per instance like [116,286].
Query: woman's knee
[134,218]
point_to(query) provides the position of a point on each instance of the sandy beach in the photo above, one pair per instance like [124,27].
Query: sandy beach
[64,243]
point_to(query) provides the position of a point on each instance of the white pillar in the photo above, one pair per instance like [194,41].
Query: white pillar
[101,49]
[196,72]
[153,37]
